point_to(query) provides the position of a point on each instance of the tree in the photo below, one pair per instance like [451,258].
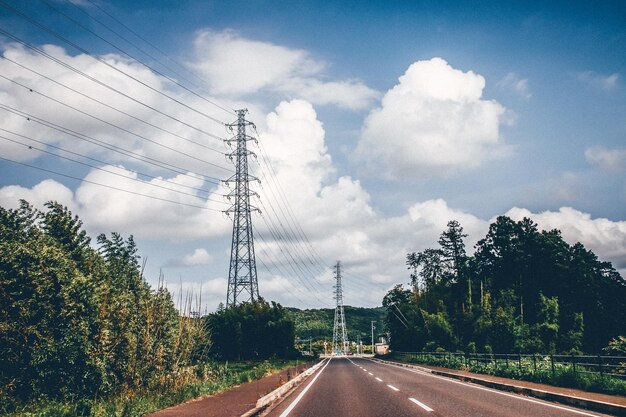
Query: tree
[403,322]
[548,322]
[253,330]
[432,268]
[76,322]
[535,291]
[453,250]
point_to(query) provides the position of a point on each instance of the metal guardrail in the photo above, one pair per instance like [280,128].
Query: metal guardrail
[613,366]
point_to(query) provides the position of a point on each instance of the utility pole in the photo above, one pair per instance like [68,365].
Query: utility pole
[242,277]
[373,321]
[340,339]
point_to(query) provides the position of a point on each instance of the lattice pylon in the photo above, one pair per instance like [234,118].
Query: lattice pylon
[340,338]
[242,275]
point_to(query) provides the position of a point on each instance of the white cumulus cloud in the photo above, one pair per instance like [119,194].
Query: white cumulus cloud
[105,131]
[433,122]
[237,66]
[147,211]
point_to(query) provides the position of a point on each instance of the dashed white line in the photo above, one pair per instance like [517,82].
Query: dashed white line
[571,410]
[393,388]
[378,379]
[421,404]
[371,373]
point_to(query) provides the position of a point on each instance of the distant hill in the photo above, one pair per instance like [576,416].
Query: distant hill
[318,323]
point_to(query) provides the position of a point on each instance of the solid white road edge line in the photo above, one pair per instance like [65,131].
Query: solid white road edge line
[299,397]
[494,391]
[424,406]
[393,388]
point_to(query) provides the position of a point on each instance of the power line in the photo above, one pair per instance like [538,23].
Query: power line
[301,275]
[109,186]
[113,124]
[283,269]
[290,214]
[106,170]
[89,139]
[103,84]
[85,51]
[110,106]
[230,112]
[281,272]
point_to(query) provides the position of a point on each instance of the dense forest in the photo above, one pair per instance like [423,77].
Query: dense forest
[523,290]
[318,323]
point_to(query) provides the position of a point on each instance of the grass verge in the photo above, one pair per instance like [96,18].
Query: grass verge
[220,378]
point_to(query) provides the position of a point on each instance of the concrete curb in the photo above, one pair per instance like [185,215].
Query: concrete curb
[263,402]
[592,405]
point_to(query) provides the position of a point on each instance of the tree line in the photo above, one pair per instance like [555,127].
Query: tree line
[523,290]
[80,321]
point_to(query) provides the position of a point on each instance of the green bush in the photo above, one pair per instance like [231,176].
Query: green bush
[81,322]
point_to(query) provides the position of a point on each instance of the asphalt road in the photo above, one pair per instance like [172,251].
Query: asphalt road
[345,387]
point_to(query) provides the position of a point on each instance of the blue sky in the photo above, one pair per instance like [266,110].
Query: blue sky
[381,121]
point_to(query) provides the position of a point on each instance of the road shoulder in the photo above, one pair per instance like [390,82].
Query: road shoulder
[235,401]
[603,403]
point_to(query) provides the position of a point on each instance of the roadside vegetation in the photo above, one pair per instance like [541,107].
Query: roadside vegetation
[524,291]
[82,333]
[534,368]
[210,380]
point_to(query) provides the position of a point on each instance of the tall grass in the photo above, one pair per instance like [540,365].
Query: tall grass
[203,380]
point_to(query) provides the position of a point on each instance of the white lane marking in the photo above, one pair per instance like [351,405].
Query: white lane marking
[378,379]
[493,391]
[371,373]
[424,406]
[297,400]
[393,388]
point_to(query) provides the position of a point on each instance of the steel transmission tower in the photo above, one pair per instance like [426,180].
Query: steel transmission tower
[242,279]
[340,339]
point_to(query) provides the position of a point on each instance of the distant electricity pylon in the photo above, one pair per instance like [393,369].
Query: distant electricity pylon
[242,279]
[340,339]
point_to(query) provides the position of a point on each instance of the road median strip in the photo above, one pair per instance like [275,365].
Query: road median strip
[588,404]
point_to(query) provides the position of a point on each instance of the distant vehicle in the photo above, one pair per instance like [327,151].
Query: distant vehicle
[349,353]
